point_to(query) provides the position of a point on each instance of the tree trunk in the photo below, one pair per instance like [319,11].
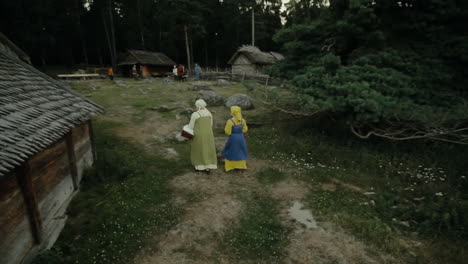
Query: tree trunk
[106,31]
[191,52]
[140,25]
[80,31]
[187,48]
[112,36]
[109,30]
[85,50]
[100,57]
[253,27]
[206,53]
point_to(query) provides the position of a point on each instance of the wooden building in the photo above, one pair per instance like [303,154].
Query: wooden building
[149,63]
[45,143]
[251,60]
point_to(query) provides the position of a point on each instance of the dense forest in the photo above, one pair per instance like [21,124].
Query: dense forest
[93,31]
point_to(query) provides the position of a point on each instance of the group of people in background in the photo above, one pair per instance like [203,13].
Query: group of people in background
[203,151]
[180,74]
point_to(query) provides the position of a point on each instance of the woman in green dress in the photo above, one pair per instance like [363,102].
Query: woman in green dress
[203,152]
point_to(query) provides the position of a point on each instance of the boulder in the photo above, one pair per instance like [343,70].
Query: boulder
[197,86]
[211,98]
[241,100]
[222,82]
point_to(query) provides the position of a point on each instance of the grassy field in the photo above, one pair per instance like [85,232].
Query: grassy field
[407,201]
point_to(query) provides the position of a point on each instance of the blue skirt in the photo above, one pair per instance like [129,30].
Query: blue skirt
[235,148]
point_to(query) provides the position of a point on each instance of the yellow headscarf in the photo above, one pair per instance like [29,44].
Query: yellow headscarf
[236,112]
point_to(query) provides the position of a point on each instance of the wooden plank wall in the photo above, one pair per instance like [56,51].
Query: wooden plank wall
[33,199]
[16,236]
[84,152]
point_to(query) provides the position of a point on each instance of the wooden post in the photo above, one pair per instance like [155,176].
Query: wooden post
[72,159]
[93,141]
[23,176]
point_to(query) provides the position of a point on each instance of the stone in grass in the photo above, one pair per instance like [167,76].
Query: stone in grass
[222,82]
[241,100]
[171,153]
[272,89]
[186,112]
[92,86]
[121,83]
[197,86]
[211,98]
[177,136]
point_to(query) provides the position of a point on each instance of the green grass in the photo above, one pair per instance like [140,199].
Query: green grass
[420,191]
[270,175]
[124,201]
[259,233]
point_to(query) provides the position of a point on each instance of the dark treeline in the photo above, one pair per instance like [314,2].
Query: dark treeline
[92,31]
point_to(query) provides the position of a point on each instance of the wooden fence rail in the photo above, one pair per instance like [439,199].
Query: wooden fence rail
[259,78]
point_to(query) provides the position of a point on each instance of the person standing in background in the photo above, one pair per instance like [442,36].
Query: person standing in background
[174,72]
[110,73]
[197,71]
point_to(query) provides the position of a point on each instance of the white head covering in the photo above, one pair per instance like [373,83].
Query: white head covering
[200,104]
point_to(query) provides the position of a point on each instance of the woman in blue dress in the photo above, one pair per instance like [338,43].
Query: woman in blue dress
[235,150]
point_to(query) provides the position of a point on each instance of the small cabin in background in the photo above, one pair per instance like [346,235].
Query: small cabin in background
[46,141]
[251,60]
[149,63]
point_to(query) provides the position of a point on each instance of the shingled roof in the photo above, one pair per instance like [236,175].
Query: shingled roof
[146,58]
[10,48]
[35,111]
[256,56]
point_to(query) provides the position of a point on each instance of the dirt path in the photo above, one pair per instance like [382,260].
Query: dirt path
[211,204]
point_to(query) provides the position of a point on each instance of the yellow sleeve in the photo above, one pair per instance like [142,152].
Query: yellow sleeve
[244,127]
[228,128]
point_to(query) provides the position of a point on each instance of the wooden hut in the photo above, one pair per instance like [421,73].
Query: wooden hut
[45,143]
[251,60]
[149,63]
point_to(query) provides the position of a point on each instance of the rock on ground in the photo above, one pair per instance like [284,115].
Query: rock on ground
[241,100]
[222,82]
[211,98]
[121,83]
[197,86]
[186,112]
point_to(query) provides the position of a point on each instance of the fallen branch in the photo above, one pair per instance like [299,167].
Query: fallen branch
[401,131]
[287,111]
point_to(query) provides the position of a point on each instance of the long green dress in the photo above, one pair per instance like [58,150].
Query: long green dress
[203,153]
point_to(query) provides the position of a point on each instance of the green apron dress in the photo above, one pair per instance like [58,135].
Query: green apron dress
[203,152]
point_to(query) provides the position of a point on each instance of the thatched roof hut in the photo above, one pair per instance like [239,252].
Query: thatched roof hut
[250,60]
[45,143]
[152,63]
